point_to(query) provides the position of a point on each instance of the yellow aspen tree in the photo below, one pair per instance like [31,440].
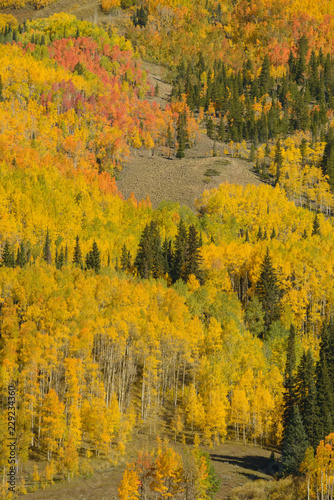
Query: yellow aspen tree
[128,489]
[53,422]
[194,410]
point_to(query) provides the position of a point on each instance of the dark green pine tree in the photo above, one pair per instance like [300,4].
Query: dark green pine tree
[278,161]
[290,395]
[316,226]
[252,153]
[158,259]
[324,388]
[294,444]
[1,90]
[77,256]
[7,255]
[144,258]
[149,258]
[93,259]
[21,257]
[125,259]
[60,258]
[302,147]
[180,253]
[167,256]
[181,136]
[66,255]
[330,353]
[47,249]
[327,162]
[265,79]
[268,291]
[307,396]
[210,128]
[193,257]
[221,130]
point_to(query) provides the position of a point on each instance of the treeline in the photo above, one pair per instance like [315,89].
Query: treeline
[259,107]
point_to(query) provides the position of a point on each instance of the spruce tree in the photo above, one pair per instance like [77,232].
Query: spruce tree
[180,252]
[47,249]
[125,258]
[181,136]
[316,226]
[7,255]
[252,153]
[324,388]
[290,395]
[193,257]
[60,258]
[149,258]
[93,259]
[265,79]
[278,161]
[327,162]
[21,257]
[167,256]
[294,444]
[307,397]
[268,291]
[77,256]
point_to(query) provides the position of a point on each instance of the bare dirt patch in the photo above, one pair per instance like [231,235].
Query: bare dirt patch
[184,180]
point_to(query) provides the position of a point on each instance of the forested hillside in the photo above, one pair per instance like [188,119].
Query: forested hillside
[117,318]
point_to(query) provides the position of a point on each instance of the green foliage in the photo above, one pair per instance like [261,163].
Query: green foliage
[93,259]
[268,291]
[294,444]
[254,317]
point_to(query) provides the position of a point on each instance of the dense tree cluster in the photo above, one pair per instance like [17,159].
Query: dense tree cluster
[258,108]
[308,400]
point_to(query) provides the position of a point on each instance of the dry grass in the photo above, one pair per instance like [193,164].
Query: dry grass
[284,489]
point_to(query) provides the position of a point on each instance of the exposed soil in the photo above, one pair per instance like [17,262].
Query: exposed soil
[177,180]
[234,463]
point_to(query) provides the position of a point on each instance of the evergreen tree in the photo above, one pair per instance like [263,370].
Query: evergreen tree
[306,396]
[252,153]
[1,90]
[330,353]
[7,255]
[327,162]
[180,253]
[210,128]
[93,259]
[66,255]
[167,256]
[60,259]
[278,161]
[181,136]
[221,130]
[193,257]
[21,257]
[47,249]
[316,226]
[77,256]
[324,388]
[149,258]
[125,258]
[290,395]
[268,291]
[265,80]
[294,444]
